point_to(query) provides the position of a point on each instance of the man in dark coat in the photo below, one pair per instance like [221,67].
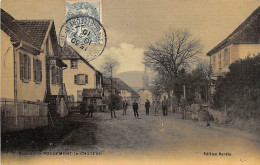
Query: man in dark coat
[91,108]
[147,106]
[135,108]
[82,107]
[165,106]
[112,108]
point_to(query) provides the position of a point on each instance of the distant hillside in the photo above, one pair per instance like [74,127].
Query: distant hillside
[133,78]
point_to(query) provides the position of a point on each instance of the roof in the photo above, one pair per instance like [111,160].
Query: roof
[121,85]
[32,32]
[37,29]
[14,30]
[92,93]
[69,53]
[247,32]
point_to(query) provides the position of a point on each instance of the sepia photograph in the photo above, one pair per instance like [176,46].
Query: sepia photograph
[130,82]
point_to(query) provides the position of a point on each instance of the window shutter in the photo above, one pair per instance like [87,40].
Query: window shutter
[21,66]
[25,67]
[75,79]
[40,71]
[29,67]
[34,70]
[86,79]
[53,75]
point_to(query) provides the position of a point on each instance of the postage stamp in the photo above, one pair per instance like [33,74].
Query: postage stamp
[90,8]
[83,29]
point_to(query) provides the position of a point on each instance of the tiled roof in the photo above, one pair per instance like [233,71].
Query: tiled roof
[70,53]
[92,93]
[247,32]
[121,85]
[36,28]
[14,30]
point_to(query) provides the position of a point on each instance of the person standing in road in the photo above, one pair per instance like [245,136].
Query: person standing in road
[135,108]
[125,104]
[82,107]
[112,108]
[91,108]
[147,106]
[156,106]
[165,106]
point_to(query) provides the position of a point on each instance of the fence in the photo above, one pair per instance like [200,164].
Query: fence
[21,114]
[74,107]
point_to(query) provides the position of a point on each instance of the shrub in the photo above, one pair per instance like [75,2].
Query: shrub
[240,87]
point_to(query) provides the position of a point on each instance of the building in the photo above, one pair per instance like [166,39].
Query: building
[79,75]
[145,94]
[30,61]
[126,92]
[243,41]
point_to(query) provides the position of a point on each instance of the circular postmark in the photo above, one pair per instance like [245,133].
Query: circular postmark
[85,34]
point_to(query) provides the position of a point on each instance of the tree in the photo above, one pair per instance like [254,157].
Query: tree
[109,66]
[200,79]
[173,53]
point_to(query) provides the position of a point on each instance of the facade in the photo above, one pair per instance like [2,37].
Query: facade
[126,92]
[241,43]
[29,50]
[145,94]
[79,75]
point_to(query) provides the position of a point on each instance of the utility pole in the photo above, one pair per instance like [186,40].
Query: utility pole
[184,92]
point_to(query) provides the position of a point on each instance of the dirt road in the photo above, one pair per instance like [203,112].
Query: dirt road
[156,140]
[160,136]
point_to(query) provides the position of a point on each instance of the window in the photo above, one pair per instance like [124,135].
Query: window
[80,79]
[25,67]
[56,74]
[74,64]
[37,70]
[226,57]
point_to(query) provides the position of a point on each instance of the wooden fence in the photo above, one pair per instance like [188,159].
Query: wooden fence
[21,114]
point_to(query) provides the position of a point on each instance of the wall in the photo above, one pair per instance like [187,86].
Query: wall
[31,90]
[237,51]
[68,78]
[7,67]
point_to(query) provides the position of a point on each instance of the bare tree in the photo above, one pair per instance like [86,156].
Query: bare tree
[174,52]
[109,67]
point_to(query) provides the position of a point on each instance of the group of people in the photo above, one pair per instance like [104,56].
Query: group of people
[112,107]
[155,106]
[84,105]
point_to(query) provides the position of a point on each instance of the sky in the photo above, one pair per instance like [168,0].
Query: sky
[132,25]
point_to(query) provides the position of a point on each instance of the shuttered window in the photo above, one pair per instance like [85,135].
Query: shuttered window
[56,75]
[25,67]
[81,79]
[37,70]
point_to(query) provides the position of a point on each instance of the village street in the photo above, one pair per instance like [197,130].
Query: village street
[158,137]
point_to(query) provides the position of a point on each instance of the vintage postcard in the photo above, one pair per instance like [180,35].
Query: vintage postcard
[130,82]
